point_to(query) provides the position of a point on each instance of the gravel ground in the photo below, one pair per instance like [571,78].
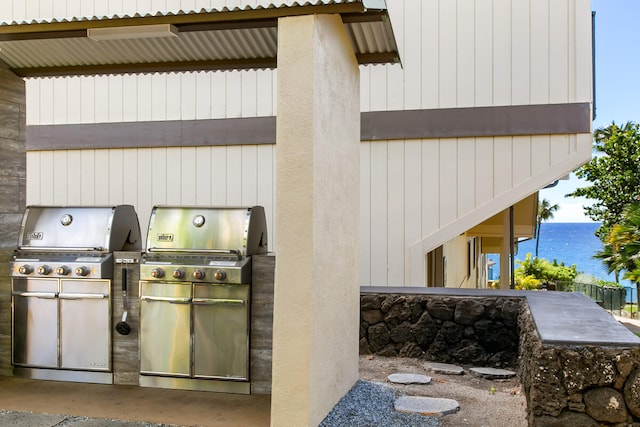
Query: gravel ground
[370,404]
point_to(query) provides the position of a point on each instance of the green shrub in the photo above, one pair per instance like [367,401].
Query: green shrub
[545,271]
[527,283]
[608,283]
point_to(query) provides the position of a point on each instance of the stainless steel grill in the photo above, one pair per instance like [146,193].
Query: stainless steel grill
[61,290]
[195,287]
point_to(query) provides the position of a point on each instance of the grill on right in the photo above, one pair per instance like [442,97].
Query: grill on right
[195,293]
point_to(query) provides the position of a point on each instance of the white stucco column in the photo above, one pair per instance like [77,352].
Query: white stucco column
[316,297]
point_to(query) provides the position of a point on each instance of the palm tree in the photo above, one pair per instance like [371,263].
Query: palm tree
[621,246]
[611,254]
[545,213]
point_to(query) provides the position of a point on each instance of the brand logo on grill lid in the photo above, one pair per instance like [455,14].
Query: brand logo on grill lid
[35,235]
[164,237]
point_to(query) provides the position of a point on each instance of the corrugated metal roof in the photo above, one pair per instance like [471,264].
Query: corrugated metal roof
[366,4]
[225,38]
[192,46]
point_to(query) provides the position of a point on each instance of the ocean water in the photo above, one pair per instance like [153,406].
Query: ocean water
[571,243]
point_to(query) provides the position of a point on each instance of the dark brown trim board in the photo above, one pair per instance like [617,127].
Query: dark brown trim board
[547,119]
[179,133]
[379,125]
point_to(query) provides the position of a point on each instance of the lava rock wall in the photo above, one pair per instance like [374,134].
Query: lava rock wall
[568,386]
[475,331]
[578,386]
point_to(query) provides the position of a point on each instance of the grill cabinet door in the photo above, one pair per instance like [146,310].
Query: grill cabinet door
[165,328]
[35,322]
[85,324]
[221,331]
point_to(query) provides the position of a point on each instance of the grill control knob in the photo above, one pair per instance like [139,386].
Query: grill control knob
[82,271]
[44,270]
[198,274]
[178,274]
[25,269]
[157,273]
[220,275]
[62,270]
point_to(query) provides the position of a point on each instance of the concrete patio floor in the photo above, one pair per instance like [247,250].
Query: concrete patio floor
[132,403]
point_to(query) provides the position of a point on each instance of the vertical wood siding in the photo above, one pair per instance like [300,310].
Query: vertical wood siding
[415,194]
[224,176]
[468,53]
[155,97]
[462,53]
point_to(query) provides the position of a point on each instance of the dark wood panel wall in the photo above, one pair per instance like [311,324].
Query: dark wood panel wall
[12,194]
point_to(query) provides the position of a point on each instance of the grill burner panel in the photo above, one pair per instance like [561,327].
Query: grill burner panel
[88,266]
[194,268]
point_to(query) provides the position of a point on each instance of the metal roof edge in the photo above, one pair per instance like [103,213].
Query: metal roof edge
[375,5]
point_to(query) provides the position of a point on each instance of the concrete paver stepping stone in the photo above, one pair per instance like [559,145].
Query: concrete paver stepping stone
[409,379]
[433,406]
[445,368]
[492,373]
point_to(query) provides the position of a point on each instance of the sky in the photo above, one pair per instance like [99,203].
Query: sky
[617,97]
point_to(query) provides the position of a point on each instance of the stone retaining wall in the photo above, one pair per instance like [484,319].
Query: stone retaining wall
[578,385]
[564,385]
[481,332]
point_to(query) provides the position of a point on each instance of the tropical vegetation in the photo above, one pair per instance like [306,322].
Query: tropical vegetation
[614,177]
[613,174]
[534,272]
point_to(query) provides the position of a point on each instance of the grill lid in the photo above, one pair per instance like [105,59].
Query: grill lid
[239,230]
[80,228]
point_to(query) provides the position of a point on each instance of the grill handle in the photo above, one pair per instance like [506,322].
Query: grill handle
[235,252]
[43,295]
[217,301]
[171,300]
[70,295]
[59,249]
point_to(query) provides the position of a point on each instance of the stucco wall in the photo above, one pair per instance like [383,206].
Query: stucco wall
[315,363]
